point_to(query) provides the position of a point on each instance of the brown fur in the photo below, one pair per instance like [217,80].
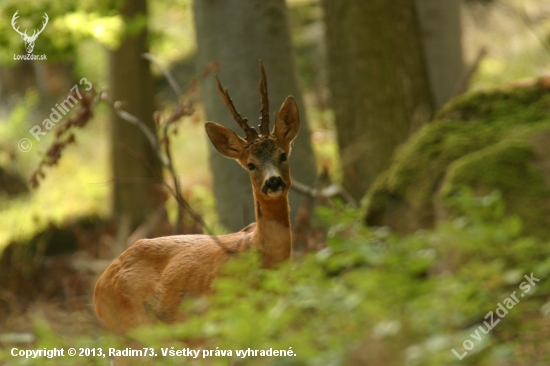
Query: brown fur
[147,282]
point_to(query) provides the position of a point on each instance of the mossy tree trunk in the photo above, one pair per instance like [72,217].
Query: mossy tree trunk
[135,168]
[378,80]
[237,34]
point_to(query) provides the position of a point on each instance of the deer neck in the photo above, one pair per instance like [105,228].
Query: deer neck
[272,234]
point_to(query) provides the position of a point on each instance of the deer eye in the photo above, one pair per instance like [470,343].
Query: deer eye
[251,166]
[283,157]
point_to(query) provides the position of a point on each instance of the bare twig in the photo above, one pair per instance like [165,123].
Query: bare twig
[166,158]
[173,83]
[166,161]
[331,191]
[84,114]
[175,180]
[142,126]
[176,193]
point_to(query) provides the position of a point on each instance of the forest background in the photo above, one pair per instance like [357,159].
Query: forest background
[421,194]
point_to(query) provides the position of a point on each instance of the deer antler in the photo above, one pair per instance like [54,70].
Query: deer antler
[250,132]
[13,19]
[264,126]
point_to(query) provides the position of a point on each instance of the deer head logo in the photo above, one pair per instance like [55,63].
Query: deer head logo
[29,40]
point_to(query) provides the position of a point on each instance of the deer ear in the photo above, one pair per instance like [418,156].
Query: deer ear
[224,140]
[287,123]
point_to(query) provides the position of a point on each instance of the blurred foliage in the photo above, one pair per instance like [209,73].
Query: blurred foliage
[81,31]
[70,22]
[370,297]
[92,27]
[59,197]
[79,184]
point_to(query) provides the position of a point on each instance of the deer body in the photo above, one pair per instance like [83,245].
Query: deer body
[147,282]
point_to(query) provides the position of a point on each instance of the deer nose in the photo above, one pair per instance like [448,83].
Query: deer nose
[273,184]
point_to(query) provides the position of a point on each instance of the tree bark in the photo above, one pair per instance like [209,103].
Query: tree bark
[378,80]
[135,168]
[237,34]
[442,39]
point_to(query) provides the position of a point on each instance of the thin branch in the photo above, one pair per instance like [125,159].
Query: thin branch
[179,111]
[142,126]
[174,191]
[173,83]
[175,180]
[331,191]
[166,161]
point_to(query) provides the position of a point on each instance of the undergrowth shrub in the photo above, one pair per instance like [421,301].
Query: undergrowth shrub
[370,297]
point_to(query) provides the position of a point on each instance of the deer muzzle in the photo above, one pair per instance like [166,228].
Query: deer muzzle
[274,186]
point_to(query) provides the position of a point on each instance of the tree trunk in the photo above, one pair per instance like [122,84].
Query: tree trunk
[378,80]
[136,170]
[442,39]
[237,34]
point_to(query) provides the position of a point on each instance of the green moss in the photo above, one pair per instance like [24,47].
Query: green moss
[532,102]
[506,167]
[479,140]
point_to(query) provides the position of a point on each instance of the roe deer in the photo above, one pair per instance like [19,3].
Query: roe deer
[147,282]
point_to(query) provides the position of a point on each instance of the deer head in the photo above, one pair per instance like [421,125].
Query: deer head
[264,155]
[29,40]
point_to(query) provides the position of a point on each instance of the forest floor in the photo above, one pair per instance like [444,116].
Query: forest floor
[40,281]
